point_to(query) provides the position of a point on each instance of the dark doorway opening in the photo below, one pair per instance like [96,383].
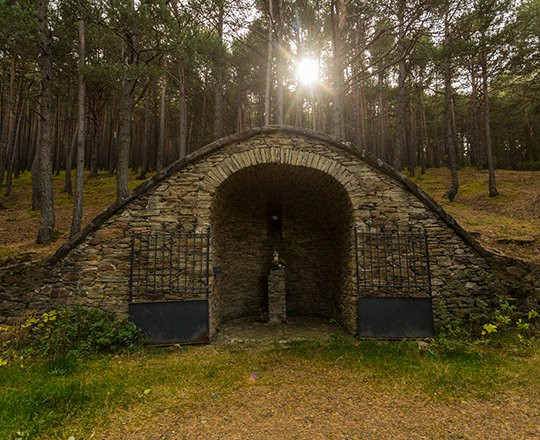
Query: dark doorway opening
[302,213]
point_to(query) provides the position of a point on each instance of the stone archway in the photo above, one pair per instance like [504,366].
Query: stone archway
[303,213]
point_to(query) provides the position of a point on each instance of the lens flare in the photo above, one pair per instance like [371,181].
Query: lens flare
[307,71]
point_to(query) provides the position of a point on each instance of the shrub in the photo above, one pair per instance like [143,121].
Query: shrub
[61,335]
[508,322]
[532,165]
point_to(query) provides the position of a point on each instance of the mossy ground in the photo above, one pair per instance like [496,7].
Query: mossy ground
[218,391]
[508,223]
[19,224]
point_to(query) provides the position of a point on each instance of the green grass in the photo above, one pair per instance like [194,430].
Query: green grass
[151,381]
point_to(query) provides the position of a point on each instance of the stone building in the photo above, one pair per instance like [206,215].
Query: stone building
[310,198]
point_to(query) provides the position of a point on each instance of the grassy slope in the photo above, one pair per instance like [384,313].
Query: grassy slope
[340,388]
[509,223]
[18,223]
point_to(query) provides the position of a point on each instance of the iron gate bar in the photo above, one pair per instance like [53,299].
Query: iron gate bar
[393,261]
[393,282]
[169,262]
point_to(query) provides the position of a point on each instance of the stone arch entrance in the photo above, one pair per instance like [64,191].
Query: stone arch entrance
[303,213]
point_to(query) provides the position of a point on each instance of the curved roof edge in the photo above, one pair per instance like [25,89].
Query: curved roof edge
[364,155]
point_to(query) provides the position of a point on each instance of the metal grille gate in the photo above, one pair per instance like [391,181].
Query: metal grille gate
[393,283]
[169,284]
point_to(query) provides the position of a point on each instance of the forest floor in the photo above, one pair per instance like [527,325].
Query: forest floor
[508,224]
[317,388]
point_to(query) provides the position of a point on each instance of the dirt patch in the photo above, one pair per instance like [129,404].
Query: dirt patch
[245,331]
[298,402]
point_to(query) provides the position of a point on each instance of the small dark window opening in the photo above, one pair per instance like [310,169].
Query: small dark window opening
[274,220]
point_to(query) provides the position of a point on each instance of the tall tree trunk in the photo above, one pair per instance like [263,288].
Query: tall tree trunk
[411,139]
[126,104]
[382,153]
[94,145]
[182,112]
[423,133]
[46,200]
[113,127]
[146,138]
[10,114]
[449,126]
[487,128]
[76,218]
[280,64]
[56,136]
[218,94]
[16,141]
[268,83]
[401,133]
[69,162]
[12,137]
[35,176]
[338,17]
[476,156]
[161,137]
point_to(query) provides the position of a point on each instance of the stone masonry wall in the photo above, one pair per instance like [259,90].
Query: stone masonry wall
[94,269]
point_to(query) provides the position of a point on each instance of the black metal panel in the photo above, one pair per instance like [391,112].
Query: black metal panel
[172,321]
[395,317]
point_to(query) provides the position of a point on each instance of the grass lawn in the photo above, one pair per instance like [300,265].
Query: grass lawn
[335,388]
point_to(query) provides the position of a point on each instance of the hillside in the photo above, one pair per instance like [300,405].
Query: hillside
[508,224]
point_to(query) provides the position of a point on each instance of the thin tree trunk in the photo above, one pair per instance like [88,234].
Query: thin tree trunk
[412,139]
[94,145]
[146,138]
[382,122]
[338,17]
[56,137]
[268,84]
[487,129]
[16,141]
[76,218]
[476,155]
[10,111]
[12,138]
[280,64]
[35,176]
[449,126]
[46,200]
[182,112]
[69,162]
[423,134]
[126,104]
[401,135]
[218,95]
[161,138]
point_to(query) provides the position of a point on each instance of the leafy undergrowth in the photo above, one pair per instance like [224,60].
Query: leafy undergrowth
[508,223]
[19,224]
[158,390]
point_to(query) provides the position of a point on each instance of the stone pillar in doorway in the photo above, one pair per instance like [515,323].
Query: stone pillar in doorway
[277,306]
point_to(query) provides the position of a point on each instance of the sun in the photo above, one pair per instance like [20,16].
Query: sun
[307,71]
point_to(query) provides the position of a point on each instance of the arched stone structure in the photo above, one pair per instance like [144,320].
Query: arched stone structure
[220,182]
[302,213]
